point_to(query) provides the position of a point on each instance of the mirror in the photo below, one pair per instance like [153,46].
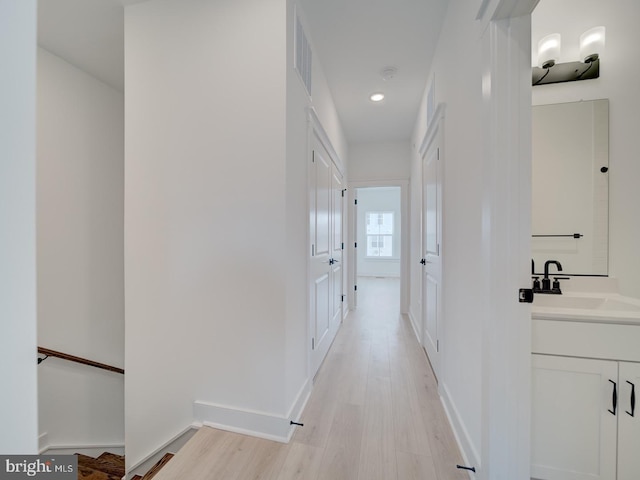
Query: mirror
[570,186]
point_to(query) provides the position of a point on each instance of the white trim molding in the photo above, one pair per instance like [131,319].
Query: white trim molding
[414,325]
[434,125]
[86,449]
[265,425]
[503,9]
[405,234]
[70,448]
[468,450]
[325,140]
[506,331]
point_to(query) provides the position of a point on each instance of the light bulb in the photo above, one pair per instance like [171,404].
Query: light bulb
[591,44]
[549,50]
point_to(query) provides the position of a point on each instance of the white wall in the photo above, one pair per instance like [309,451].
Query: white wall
[297,214]
[205,251]
[618,82]
[458,80]
[378,199]
[18,402]
[80,212]
[215,215]
[379,161]
[297,207]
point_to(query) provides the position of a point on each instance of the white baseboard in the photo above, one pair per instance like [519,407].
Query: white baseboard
[468,451]
[414,324]
[295,412]
[43,442]
[247,422]
[92,450]
[250,422]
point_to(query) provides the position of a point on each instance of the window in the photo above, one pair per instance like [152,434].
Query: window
[379,234]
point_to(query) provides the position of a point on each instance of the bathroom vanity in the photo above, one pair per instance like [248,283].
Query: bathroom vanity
[586,373]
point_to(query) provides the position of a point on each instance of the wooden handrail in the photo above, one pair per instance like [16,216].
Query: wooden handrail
[84,361]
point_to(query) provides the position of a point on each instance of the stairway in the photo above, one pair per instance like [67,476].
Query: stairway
[110,466]
[107,466]
[156,468]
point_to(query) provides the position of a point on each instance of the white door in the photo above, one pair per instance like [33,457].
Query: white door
[325,223]
[336,247]
[354,233]
[574,422]
[431,251]
[345,255]
[628,422]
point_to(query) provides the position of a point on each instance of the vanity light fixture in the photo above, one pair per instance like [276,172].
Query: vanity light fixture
[377,97]
[549,70]
[549,50]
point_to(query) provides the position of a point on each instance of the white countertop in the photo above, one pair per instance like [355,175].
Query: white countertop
[587,299]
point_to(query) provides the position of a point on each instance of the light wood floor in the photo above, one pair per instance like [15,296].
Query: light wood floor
[374,413]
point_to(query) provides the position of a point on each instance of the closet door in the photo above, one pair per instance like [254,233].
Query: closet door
[320,295]
[336,261]
[326,265]
[432,255]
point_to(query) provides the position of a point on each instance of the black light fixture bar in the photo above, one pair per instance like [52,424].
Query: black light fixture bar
[566,72]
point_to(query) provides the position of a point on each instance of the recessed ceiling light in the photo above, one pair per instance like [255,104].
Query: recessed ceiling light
[377,97]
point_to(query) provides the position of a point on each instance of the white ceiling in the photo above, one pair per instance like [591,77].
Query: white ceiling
[354,40]
[86,33]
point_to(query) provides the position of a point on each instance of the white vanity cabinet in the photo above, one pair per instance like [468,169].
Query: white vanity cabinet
[579,430]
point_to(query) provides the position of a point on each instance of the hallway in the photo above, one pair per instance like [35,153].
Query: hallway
[374,413]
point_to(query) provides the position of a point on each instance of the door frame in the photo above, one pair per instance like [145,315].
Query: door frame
[18,295]
[404,238]
[506,243]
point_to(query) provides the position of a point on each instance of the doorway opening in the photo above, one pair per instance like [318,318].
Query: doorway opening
[378,245]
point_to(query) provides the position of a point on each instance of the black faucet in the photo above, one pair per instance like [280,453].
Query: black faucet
[536,279]
[546,281]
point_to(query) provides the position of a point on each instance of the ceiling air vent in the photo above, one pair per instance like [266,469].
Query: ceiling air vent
[302,55]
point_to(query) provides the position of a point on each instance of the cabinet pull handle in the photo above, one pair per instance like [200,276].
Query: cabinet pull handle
[614,398]
[633,399]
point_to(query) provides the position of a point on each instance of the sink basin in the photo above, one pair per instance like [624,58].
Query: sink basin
[586,305]
[565,301]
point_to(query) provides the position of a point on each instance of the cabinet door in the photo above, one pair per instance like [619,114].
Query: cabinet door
[573,432]
[629,423]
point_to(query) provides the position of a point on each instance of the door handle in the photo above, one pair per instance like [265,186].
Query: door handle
[335,261]
[614,398]
[423,262]
[633,400]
